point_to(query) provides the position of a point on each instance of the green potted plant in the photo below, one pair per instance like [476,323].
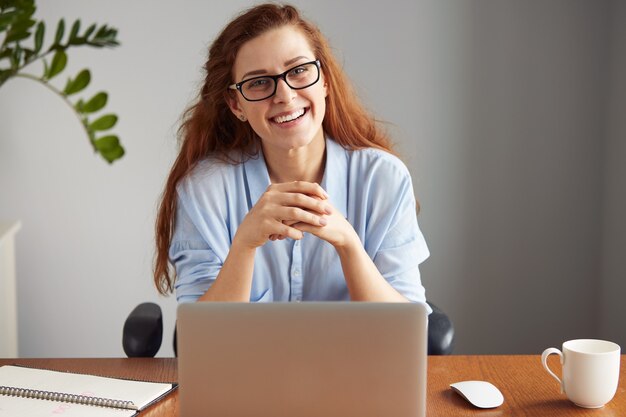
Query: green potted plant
[22,40]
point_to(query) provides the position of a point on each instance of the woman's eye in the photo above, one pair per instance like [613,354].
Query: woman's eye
[259,83]
[298,71]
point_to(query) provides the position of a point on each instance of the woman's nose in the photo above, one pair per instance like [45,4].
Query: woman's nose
[284,93]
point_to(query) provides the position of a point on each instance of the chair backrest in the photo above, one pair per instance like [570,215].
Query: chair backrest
[143,332]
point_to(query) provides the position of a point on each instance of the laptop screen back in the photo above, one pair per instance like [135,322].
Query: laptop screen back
[302,359]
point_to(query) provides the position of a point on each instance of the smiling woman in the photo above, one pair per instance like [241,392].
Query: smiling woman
[287,110]
[285,189]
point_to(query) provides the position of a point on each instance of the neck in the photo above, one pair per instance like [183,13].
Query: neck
[306,163]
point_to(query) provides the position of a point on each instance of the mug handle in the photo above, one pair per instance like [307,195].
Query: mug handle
[544,361]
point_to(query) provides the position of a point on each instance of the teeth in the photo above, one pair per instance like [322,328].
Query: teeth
[289,117]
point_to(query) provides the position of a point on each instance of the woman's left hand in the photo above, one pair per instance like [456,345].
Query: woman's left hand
[337,231]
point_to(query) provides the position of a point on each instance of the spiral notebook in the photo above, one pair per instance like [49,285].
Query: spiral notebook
[38,392]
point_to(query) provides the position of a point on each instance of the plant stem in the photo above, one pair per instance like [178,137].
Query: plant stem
[63,97]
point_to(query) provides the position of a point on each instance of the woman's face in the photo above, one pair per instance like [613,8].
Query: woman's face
[290,119]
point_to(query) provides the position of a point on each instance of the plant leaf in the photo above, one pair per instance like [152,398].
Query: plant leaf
[95,103]
[79,83]
[59,61]
[113,154]
[15,14]
[107,143]
[74,38]
[105,36]
[16,36]
[74,31]
[22,23]
[6,53]
[104,123]
[7,19]
[89,31]
[19,30]
[60,32]
[4,75]
[39,33]
[46,68]
[24,8]
[109,147]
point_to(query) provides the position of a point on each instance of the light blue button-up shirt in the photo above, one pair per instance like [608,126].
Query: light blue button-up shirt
[371,188]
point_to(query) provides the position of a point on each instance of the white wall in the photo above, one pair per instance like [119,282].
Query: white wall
[499,109]
[514,223]
[613,287]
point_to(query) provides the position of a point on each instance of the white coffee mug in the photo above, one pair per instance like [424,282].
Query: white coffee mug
[590,371]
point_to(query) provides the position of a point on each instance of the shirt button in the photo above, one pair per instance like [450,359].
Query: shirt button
[296,272]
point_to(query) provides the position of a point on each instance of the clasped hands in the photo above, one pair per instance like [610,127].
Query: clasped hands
[288,210]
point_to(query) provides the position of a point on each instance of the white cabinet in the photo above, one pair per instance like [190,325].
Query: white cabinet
[8,293]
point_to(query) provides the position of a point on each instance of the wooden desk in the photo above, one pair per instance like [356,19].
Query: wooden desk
[528,390]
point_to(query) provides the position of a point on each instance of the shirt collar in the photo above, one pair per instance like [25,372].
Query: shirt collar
[334,181]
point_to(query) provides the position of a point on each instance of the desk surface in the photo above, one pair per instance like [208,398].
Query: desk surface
[528,390]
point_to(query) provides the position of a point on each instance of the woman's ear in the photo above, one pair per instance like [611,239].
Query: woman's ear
[325,85]
[235,106]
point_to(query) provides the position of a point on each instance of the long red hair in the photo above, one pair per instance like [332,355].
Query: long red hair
[210,128]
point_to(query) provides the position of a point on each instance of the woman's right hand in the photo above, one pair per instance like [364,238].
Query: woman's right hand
[280,206]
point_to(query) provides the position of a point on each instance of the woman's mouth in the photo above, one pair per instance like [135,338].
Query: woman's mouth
[290,117]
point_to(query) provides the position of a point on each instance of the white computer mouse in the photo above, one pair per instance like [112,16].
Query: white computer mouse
[481,394]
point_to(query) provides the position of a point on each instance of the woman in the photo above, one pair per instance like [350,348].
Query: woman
[285,189]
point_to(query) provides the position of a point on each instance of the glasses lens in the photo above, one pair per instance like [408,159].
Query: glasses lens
[303,76]
[258,88]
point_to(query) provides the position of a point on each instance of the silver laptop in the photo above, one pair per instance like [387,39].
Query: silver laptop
[334,359]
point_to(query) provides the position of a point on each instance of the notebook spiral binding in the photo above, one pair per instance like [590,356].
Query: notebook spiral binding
[67,398]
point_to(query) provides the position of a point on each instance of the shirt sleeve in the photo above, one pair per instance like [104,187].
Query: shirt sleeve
[195,262]
[394,235]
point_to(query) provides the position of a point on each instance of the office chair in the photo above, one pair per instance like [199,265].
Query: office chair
[143,332]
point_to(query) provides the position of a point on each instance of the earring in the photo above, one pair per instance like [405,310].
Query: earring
[242,117]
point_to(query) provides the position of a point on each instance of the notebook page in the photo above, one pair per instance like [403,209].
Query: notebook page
[15,406]
[139,392]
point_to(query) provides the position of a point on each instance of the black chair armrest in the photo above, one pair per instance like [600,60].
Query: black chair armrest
[440,332]
[143,331]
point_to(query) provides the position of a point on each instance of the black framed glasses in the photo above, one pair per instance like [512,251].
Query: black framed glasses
[263,87]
